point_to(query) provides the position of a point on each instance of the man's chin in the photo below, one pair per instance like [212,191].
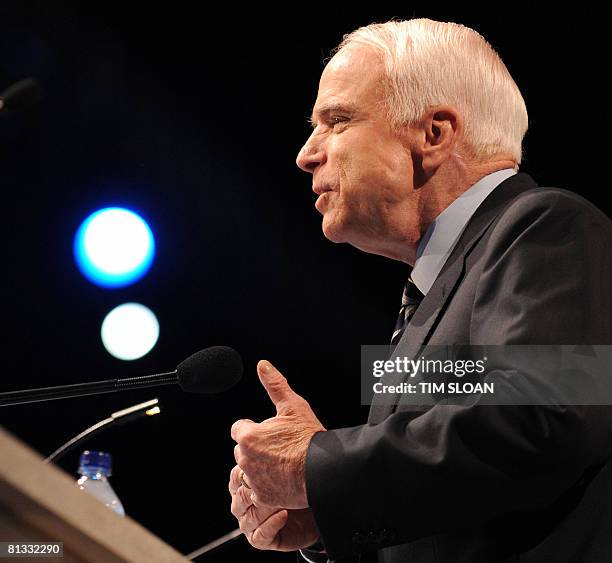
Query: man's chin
[332,230]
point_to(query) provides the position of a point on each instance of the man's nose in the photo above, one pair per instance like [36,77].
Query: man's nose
[310,156]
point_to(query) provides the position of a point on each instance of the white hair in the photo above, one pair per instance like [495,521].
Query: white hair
[429,63]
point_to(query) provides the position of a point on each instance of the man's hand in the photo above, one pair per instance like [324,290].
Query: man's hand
[272,454]
[268,527]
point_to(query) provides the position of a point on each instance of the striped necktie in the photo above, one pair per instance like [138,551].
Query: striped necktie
[411,298]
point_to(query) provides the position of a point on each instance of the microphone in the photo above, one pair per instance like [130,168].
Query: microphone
[21,95]
[211,370]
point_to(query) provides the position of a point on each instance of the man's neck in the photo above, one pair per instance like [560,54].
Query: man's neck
[447,185]
[437,194]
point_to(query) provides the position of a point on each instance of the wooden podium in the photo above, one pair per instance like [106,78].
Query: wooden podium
[40,502]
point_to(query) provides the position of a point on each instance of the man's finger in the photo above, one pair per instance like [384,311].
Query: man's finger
[241,502]
[239,427]
[265,535]
[275,385]
[234,482]
[253,518]
[237,454]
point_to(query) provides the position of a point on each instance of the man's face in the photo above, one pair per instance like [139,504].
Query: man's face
[362,169]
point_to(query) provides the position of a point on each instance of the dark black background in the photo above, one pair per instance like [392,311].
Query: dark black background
[194,117]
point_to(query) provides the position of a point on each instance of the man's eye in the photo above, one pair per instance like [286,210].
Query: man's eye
[337,119]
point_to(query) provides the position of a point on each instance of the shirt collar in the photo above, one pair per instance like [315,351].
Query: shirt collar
[444,232]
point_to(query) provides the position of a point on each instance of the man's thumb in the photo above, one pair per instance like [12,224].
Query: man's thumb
[274,383]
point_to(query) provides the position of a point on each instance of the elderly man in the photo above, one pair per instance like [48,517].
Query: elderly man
[414,155]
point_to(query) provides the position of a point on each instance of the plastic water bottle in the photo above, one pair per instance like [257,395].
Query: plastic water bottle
[95,468]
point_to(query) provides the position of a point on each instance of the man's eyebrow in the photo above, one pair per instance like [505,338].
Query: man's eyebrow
[326,109]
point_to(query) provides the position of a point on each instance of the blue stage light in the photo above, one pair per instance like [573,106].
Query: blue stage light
[114,247]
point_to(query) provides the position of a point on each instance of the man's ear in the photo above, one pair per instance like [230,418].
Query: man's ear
[442,127]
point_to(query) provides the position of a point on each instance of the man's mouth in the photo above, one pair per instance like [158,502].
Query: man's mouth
[319,190]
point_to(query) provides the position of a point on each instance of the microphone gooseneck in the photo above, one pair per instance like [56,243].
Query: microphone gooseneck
[148,408]
[82,389]
[22,95]
[146,381]
[211,370]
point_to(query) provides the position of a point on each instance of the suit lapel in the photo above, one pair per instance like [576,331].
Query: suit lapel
[418,330]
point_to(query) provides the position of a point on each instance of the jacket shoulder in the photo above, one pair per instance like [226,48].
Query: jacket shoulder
[554,200]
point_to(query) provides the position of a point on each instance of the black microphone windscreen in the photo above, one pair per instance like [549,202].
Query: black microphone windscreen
[211,370]
[22,95]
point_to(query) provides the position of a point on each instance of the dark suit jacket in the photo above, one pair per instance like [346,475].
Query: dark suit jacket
[487,483]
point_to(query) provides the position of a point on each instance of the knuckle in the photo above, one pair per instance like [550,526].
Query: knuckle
[234,507]
[245,497]
[280,385]
[248,440]
[232,484]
